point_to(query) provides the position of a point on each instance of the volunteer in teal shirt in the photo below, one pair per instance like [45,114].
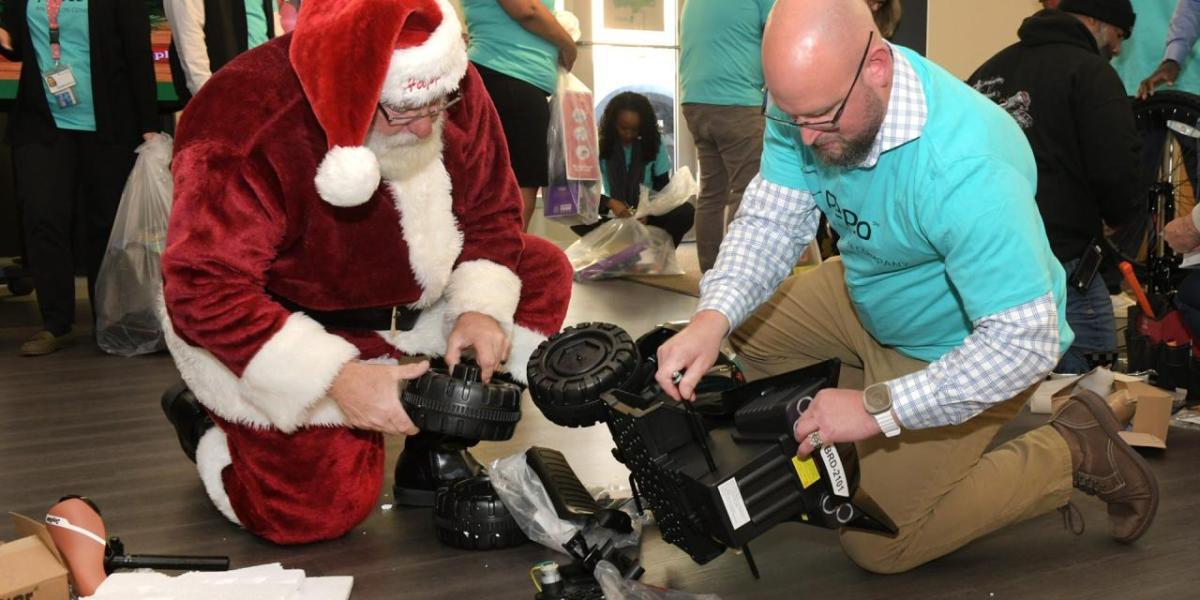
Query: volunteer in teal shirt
[256,24]
[74,149]
[721,53]
[632,157]
[517,46]
[946,295]
[74,36]
[500,43]
[962,240]
[720,73]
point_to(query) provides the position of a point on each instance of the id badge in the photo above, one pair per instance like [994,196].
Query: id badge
[61,82]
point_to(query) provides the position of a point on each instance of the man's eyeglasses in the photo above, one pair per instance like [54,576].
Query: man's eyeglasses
[407,117]
[827,125]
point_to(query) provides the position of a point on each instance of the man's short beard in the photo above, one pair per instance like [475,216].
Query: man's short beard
[403,153]
[856,149]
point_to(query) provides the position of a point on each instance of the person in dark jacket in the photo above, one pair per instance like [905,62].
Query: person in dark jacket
[633,156]
[1058,85]
[83,105]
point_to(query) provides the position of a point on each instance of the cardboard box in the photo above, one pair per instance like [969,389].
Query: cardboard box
[30,567]
[1152,417]
[1144,410]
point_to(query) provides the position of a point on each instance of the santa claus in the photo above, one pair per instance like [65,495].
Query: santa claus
[343,199]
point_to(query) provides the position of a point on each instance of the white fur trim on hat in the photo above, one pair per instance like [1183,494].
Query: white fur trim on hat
[422,74]
[348,176]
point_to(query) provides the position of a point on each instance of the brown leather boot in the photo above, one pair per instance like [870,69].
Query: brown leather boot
[1105,466]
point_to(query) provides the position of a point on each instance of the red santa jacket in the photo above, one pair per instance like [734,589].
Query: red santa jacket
[247,224]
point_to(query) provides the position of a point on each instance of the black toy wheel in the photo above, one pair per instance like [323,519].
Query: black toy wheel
[461,405]
[468,514]
[569,372]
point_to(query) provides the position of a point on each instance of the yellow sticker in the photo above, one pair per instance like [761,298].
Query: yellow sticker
[804,517]
[807,470]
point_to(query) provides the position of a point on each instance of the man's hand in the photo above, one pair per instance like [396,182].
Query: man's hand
[484,334]
[1167,72]
[839,416]
[369,396]
[1181,234]
[6,39]
[692,352]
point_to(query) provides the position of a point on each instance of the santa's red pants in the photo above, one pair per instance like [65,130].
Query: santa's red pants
[319,482]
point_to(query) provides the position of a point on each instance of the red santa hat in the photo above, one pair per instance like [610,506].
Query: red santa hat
[351,54]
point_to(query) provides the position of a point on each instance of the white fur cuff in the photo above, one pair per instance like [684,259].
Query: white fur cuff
[485,287]
[293,370]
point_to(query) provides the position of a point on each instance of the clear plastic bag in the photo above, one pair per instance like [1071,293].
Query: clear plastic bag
[522,492]
[573,195]
[682,188]
[623,247]
[130,281]
[618,588]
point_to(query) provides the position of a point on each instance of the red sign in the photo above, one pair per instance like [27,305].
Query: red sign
[579,136]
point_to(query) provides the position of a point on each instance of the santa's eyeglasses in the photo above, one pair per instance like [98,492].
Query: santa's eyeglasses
[396,117]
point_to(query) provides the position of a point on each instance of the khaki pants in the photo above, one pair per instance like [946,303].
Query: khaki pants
[938,485]
[728,145]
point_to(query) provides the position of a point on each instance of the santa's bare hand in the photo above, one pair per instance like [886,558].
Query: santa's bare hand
[483,334]
[369,396]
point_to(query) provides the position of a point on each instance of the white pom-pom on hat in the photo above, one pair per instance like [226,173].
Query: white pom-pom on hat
[348,175]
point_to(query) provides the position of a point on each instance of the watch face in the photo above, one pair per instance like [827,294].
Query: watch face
[877,399]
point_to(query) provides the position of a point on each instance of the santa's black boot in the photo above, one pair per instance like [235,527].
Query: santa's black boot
[428,462]
[187,416]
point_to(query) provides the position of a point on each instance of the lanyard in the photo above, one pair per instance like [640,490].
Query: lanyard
[52,8]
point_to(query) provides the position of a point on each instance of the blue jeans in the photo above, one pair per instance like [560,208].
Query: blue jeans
[1090,315]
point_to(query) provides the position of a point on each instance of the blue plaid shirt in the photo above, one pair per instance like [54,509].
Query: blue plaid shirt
[1005,353]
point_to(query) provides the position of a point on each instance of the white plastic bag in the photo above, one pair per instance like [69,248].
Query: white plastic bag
[573,195]
[616,587]
[522,492]
[130,281]
[623,247]
[682,188]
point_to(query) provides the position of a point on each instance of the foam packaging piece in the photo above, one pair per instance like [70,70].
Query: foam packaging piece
[262,582]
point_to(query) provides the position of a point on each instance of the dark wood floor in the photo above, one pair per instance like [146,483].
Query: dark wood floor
[82,422]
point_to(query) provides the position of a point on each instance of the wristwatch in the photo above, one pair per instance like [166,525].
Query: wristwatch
[877,399]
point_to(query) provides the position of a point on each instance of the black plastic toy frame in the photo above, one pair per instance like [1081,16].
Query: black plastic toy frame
[722,471]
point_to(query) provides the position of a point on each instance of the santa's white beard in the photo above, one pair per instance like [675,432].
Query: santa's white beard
[403,154]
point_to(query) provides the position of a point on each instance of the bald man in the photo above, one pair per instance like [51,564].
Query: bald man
[946,295]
